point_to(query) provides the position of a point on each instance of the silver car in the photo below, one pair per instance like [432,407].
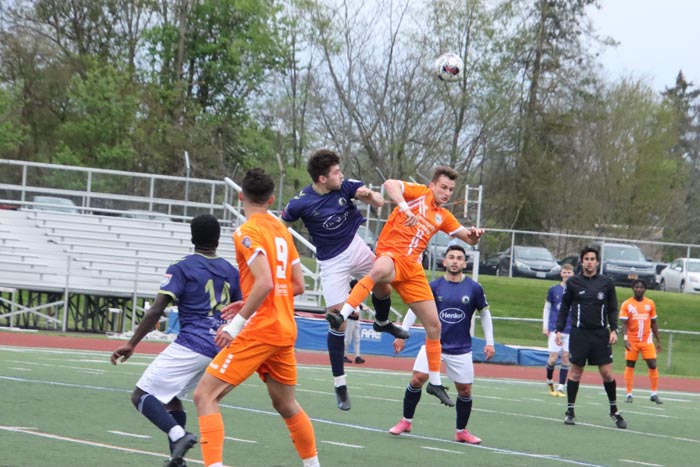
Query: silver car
[682,275]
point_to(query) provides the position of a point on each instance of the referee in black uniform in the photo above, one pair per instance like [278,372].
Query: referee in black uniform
[590,298]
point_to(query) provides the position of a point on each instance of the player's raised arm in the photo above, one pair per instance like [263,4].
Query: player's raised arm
[366,195]
[471,235]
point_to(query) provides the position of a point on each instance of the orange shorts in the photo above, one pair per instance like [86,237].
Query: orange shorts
[409,279]
[244,356]
[647,349]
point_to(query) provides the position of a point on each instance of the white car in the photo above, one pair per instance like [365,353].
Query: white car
[682,275]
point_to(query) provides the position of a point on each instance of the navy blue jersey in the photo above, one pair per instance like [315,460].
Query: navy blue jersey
[554,296]
[332,219]
[201,286]
[456,303]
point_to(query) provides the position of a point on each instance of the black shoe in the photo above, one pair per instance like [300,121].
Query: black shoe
[441,393]
[180,448]
[656,399]
[629,399]
[392,329]
[342,398]
[570,419]
[347,360]
[359,359]
[180,463]
[619,421]
[335,319]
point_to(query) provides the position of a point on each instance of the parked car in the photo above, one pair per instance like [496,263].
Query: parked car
[529,261]
[434,254]
[367,235]
[624,263]
[144,215]
[54,203]
[682,275]
[489,266]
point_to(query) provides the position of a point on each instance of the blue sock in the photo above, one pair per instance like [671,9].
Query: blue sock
[336,351]
[563,373]
[153,410]
[410,401]
[180,417]
[382,307]
[464,410]
[550,371]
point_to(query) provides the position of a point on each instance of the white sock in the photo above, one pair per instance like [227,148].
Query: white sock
[346,311]
[176,433]
[434,378]
[339,380]
[311,462]
[216,464]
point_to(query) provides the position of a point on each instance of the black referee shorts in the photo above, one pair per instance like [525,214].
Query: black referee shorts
[592,345]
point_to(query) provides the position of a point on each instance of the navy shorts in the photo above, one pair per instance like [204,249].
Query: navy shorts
[592,345]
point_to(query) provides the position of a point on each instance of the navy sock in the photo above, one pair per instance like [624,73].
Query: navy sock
[410,401]
[550,371]
[464,410]
[336,351]
[153,410]
[180,417]
[611,391]
[563,373]
[382,307]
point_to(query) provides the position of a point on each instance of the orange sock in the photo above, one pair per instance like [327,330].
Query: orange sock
[629,378]
[360,292]
[302,433]
[654,379]
[433,349]
[211,428]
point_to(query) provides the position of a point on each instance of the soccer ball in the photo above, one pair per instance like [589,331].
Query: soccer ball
[448,67]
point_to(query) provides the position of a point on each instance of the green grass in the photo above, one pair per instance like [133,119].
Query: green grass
[75,411]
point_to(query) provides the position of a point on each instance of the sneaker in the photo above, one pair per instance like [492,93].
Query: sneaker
[463,436]
[560,393]
[402,427]
[656,399]
[342,398]
[347,360]
[359,359]
[335,319]
[619,421]
[570,418]
[629,399]
[180,448]
[392,329]
[441,393]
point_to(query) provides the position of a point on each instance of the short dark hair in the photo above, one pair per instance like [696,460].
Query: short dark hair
[457,248]
[589,249]
[320,163]
[205,230]
[443,170]
[257,186]
[639,281]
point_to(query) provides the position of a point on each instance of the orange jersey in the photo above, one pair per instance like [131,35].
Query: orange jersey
[273,322]
[410,242]
[638,316]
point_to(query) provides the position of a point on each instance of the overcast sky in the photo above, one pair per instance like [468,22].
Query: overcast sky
[657,39]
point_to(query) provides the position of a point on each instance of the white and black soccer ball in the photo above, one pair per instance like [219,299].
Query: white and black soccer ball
[448,67]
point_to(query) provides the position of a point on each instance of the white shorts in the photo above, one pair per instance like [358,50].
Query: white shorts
[174,372]
[460,368]
[354,262]
[552,345]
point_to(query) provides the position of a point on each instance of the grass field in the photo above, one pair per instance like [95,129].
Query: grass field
[71,409]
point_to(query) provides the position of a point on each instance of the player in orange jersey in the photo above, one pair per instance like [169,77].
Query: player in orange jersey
[418,216]
[270,277]
[638,318]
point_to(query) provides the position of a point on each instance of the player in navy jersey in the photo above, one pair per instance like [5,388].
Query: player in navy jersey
[327,209]
[201,284]
[550,313]
[458,298]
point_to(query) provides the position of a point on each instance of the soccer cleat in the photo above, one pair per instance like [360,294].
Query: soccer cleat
[359,359]
[335,319]
[342,398]
[656,399]
[560,393]
[550,386]
[441,393]
[402,427]
[629,399]
[619,421]
[392,329]
[180,448]
[570,419]
[180,463]
[347,360]
[463,436]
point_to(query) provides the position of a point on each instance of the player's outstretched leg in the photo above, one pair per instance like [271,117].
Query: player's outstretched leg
[441,393]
